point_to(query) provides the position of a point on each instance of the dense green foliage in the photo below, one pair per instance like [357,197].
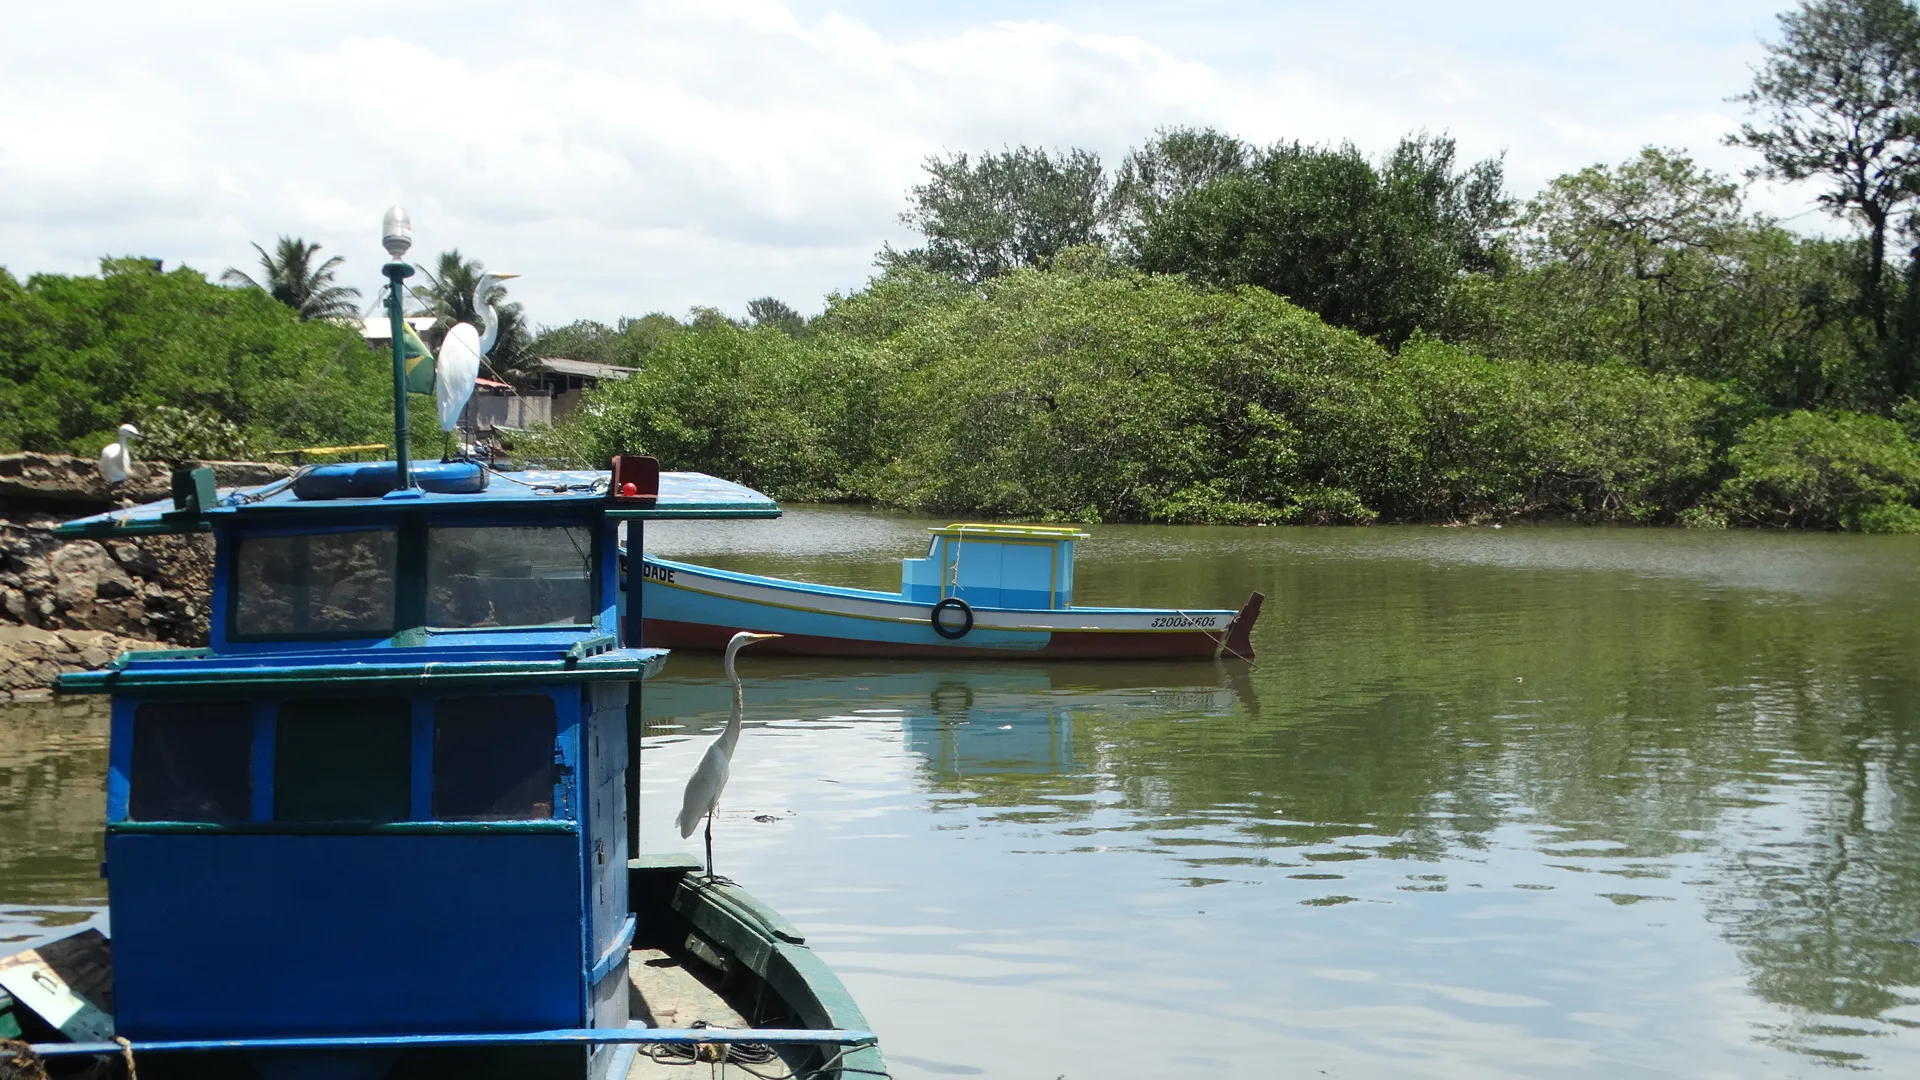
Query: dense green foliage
[1376,248]
[1215,331]
[1095,391]
[195,362]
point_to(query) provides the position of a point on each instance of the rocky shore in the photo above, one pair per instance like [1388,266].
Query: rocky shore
[71,605]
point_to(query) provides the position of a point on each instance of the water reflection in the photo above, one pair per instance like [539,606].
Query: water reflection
[963,720]
[1648,796]
[1541,801]
[53,764]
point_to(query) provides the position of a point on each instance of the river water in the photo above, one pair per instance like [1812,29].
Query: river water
[1515,802]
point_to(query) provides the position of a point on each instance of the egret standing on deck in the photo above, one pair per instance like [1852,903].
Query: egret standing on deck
[116,461]
[710,779]
[461,352]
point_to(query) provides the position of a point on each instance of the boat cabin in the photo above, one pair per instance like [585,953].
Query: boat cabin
[391,796]
[994,566]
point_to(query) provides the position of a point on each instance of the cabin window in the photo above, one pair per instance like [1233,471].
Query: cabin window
[510,576]
[343,759]
[493,758]
[192,762]
[315,584]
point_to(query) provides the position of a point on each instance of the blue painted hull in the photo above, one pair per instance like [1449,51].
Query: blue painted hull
[696,607]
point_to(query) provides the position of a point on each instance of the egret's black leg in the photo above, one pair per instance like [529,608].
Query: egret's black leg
[709,843]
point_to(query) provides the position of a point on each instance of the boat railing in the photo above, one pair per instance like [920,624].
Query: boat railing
[554,1037]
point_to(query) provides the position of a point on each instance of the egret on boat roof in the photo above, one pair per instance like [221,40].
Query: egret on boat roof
[462,350]
[710,779]
[116,460]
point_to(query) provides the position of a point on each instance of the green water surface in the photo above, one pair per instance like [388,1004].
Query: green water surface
[1528,802]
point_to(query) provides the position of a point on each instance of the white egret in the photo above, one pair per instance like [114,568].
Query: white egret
[460,353]
[116,461]
[710,779]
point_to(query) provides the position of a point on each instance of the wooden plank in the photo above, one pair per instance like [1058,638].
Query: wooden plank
[666,994]
[68,983]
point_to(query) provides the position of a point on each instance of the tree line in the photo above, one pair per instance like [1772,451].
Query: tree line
[1217,331]
[1213,330]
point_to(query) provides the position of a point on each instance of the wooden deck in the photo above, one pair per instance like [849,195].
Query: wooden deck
[663,993]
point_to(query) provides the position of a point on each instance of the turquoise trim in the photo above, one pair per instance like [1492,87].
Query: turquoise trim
[341,828]
[221,677]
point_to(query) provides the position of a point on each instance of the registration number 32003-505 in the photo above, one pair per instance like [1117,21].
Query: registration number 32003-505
[1183,621]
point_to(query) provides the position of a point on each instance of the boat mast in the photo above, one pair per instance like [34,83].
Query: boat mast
[396,234]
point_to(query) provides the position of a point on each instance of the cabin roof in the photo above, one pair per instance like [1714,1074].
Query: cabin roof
[1010,532]
[682,495]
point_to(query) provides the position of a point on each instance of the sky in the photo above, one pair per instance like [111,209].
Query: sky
[650,156]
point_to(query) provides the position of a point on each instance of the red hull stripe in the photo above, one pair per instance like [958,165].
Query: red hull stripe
[1061,644]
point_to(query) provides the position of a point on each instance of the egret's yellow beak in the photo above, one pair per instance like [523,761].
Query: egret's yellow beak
[763,637]
[498,276]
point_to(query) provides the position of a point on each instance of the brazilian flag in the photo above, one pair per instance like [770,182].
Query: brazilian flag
[418,360]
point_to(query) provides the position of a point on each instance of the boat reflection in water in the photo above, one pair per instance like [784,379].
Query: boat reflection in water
[963,719]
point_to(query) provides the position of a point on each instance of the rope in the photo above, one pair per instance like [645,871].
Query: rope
[126,1056]
[19,1062]
[1220,639]
[744,1056]
[598,484]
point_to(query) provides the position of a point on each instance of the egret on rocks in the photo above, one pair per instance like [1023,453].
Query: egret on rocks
[116,461]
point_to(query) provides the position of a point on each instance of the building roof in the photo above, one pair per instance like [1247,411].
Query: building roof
[584,368]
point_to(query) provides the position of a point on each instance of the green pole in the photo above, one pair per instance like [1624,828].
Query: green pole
[398,272]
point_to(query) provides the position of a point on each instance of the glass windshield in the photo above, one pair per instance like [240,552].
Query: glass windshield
[328,583]
[510,576]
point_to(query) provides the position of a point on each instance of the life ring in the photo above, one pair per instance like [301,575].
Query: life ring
[952,603]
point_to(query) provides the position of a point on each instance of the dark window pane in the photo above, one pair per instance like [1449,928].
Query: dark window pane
[510,576]
[331,583]
[192,762]
[493,758]
[343,759]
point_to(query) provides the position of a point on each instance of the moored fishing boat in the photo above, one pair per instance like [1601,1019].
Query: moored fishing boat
[380,826]
[386,823]
[980,592]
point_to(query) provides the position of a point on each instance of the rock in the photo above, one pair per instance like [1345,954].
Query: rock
[62,478]
[147,587]
[32,658]
[80,571]
[39,479]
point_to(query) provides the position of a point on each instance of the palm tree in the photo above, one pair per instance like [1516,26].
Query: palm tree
[291,278]
[448,297]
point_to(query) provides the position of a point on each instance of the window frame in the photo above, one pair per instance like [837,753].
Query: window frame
[569,794]
[229,575]
[410,580]
[595,536]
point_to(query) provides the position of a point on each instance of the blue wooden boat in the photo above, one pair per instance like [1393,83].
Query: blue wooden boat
[980,592]
[383,825]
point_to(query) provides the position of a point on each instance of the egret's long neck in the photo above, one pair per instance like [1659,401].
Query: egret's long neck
[731,736]
[489,325]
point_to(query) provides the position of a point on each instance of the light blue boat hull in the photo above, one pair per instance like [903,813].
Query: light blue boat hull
[685,606]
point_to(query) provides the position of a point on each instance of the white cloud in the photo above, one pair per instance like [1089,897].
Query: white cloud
[628,157]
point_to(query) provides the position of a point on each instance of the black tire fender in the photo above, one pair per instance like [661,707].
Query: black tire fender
[952,603]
